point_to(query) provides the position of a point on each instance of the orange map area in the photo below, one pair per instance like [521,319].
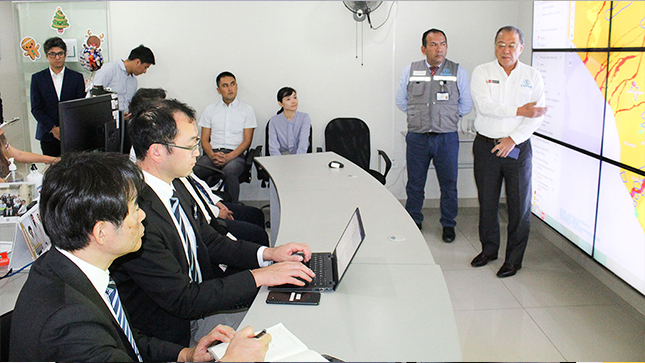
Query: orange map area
[622,75]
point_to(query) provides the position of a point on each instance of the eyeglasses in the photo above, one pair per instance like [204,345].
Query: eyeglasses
[511,46]
[189,148]
[56,55]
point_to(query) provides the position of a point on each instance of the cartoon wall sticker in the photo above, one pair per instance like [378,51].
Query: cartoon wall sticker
[59,21]
[94,40]
[91,57]
[29,45]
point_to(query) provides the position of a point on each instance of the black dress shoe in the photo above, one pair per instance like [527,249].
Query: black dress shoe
[508,270]
[482,259]
[448,234]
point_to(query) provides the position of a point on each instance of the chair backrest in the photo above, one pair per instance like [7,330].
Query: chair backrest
[266,139]
[251,154]
[5,329]
[350,138]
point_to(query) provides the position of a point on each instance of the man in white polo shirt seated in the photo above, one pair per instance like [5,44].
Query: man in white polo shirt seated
[227,132]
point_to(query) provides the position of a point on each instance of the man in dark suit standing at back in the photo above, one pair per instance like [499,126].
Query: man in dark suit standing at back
[49,87]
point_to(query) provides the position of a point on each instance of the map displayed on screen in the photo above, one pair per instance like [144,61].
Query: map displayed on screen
[620,238]
[595,92]
[565,189]
[576,103]
[627,25]
[571,24]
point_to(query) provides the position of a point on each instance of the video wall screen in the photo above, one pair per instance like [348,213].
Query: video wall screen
[589,154]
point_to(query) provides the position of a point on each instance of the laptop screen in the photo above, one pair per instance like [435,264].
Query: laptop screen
[349,242]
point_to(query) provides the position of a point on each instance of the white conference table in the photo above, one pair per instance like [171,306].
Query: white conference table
[393,303]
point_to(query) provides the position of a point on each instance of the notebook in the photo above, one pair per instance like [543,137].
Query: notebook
[331,267]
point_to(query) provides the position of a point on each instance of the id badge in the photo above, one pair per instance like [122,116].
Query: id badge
[443,96]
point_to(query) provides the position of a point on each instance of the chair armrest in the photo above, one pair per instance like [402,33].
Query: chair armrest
[388,162]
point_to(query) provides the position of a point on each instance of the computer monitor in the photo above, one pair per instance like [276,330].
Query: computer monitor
[91,124]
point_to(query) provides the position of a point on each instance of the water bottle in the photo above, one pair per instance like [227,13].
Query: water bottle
[35,178]
[14,176]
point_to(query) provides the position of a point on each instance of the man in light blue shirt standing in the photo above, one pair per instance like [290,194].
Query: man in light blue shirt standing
[435,94]
[120,76]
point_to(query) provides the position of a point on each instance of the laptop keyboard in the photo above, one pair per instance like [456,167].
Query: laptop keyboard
[317,265]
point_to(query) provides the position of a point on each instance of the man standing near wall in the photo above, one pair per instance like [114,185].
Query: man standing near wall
[49,87]
[227,132]
[509,99]
[120,76]
[435,94]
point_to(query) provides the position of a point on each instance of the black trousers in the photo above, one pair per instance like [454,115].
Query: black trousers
[248,224]
[490,171]
[51,148]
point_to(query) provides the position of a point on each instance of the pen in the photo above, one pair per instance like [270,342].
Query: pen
[260,334]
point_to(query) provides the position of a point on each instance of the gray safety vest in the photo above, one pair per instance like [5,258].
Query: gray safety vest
[425,111]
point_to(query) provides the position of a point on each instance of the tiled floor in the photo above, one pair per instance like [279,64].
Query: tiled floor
[552,310]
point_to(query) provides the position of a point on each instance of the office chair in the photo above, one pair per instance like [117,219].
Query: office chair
[350,138]
[263,176]
[5,328]
[245,177]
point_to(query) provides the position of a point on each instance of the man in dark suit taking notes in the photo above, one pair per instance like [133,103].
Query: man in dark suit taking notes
[69,308]
[49,87]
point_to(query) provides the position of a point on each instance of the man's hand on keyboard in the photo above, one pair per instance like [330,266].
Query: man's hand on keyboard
[288,252]
[283,273]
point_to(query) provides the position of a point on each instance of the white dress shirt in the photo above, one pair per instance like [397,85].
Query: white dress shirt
[497,96]
[99,278]
[227,123]
[58,80]
[165,191]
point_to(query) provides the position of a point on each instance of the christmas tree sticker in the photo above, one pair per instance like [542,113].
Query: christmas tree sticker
[59,22]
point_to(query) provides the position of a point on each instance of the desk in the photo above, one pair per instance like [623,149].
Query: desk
[393,303]
[10,288]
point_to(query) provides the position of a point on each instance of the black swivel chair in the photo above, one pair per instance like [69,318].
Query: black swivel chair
[350,138]
[263,176]
[5,328]
[245,177]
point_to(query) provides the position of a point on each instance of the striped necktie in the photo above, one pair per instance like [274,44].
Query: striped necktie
[201,189]
[433,70]
[178,211]
[113,294]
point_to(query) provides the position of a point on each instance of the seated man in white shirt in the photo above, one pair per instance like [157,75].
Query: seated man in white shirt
[227,132]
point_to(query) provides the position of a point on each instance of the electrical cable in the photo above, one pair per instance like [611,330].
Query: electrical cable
[386,19]
[10,273]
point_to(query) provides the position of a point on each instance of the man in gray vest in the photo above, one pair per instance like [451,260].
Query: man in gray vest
[435,94]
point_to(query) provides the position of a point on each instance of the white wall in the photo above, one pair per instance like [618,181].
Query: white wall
[308,45]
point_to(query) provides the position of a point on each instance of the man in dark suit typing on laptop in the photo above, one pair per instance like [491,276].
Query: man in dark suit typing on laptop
[174,284]
[69,310]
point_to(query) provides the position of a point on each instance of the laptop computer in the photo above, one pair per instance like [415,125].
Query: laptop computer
[331,267]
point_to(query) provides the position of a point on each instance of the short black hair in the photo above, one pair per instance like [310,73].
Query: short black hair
[54,42]
[143,54]
[222,75]
[510,28]
[83,189]
[433,30]
[154,123]
[145,95]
